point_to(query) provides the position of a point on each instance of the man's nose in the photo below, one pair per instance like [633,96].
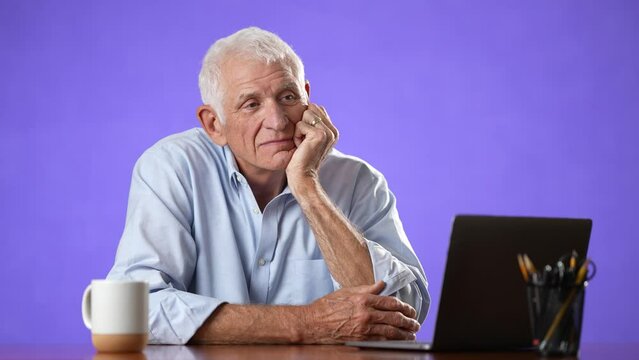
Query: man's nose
[274,116]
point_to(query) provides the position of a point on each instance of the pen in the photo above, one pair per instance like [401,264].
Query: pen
[561,270]
[547,276]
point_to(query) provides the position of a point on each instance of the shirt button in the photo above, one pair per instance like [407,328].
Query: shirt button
[261,262]
[256,211]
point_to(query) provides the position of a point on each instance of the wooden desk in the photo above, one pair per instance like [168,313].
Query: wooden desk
[239,352]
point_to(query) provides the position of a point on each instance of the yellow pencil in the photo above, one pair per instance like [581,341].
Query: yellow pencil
[573,260]
[522,267]
[581,274]
[529,265]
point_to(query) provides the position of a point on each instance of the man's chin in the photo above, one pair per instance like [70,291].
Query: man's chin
[280,160]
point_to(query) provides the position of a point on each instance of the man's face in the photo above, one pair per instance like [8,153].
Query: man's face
[262,104]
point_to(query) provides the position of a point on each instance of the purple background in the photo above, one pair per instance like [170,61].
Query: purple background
[499,107]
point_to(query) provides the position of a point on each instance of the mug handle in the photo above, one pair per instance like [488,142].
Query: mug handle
[86,307]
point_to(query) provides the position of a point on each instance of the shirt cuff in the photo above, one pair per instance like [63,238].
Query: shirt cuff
[175,316]
[395,274]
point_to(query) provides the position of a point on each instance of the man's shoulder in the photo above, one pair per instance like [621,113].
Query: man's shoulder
[188,145]
[349,180]
[187,153]
[192,139]
[347,165]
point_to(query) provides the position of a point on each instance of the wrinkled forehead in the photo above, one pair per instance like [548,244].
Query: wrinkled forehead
[238,70]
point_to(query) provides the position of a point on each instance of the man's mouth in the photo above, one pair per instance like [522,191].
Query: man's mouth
[278,142]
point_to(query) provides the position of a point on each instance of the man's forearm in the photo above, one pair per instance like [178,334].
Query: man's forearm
[348,314]
[343,247]
[254,324]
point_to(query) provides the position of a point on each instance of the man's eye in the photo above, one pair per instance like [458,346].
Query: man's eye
[251,105]
[289,98]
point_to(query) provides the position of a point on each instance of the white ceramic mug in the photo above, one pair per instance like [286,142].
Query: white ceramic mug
[116,312]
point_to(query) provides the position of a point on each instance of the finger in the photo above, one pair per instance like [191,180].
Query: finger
[374,338]
[318,109]
[298,137]
[312,116]
[314,130]
[394,318]
[324,115]
[304,129]
[390,303]
[335,134]
[319,113]
[323,121]
[314,121]
[390,332]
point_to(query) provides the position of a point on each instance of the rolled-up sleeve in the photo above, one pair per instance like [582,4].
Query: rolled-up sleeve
[374,212]
[404,281]
[175,315]
[157,247]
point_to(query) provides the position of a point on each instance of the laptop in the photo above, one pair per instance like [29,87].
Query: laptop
[483,305]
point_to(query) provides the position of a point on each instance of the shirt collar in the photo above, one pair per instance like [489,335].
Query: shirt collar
[234,174]
[235,177]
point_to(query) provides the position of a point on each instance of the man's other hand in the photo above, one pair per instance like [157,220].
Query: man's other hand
[358,313]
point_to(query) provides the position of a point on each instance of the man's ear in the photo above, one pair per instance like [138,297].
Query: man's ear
[307,87]
[211,124]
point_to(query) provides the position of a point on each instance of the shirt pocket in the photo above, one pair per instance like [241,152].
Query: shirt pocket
[309,281]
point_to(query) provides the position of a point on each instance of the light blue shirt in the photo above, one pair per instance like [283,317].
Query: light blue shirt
[195,233]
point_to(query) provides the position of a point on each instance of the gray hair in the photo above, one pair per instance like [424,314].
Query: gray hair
[252,43]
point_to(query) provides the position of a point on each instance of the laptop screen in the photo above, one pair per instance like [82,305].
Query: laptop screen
[483,303]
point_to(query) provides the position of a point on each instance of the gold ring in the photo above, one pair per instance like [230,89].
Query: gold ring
[315,121]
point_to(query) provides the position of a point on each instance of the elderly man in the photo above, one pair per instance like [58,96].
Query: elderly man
[254,229]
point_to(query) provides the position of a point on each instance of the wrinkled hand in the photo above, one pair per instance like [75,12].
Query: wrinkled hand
[315,135]
[358,313]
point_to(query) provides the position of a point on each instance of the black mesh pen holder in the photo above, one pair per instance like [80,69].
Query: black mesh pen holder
[556,314]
